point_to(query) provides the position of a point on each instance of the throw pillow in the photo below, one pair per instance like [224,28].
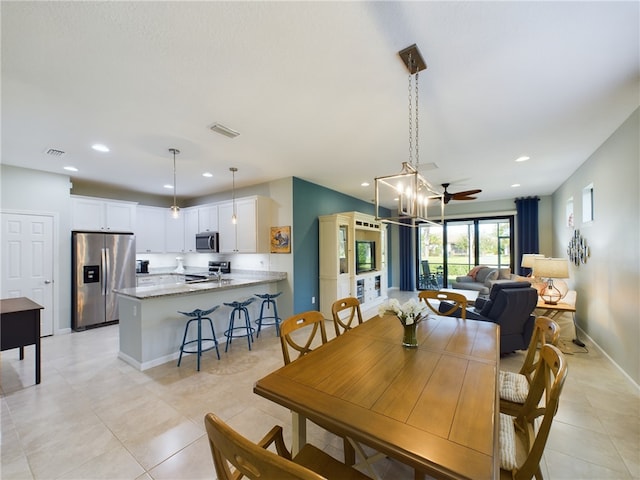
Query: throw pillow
[504,274]
[474,271]
[486,274]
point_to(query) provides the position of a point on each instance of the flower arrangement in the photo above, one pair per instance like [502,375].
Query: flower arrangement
[409,312]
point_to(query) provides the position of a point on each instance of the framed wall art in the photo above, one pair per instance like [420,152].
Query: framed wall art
[281,239]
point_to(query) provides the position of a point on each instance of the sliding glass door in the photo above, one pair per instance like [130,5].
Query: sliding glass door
[447,252]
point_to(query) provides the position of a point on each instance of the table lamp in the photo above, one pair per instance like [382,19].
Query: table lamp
[551,268]
[528,259]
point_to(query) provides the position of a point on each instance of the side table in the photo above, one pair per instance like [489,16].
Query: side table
[559,308]
[20,326]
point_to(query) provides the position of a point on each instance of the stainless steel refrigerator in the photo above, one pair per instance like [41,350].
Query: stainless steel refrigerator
[101,262]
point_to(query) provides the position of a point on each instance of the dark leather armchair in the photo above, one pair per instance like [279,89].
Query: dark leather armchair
[510,305]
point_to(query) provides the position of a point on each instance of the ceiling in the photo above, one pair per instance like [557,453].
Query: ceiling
[317,91]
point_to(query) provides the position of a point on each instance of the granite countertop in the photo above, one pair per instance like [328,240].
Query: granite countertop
[229,281]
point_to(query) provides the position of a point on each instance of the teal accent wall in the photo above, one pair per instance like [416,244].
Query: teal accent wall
[309,202]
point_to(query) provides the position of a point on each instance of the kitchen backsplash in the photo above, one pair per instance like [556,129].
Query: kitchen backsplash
[245,261]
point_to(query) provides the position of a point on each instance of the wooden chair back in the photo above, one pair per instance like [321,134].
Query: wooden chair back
[433,298]
[342,322]
[547,381]
[545,331]
[314,322]
[251,460]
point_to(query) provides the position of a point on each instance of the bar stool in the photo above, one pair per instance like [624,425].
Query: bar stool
[239,307]
[267,301]
[197,316]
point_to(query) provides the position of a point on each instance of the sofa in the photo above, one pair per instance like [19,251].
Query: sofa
[482,278]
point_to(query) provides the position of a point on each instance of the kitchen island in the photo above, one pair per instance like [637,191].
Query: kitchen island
[151,328]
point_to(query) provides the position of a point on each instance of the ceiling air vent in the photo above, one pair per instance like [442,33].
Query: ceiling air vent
[54,152]
[226,131]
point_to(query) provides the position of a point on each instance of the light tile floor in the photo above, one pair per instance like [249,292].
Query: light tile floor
[95,417]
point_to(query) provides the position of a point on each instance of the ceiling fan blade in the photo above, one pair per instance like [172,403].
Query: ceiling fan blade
[465,193]
[464,198]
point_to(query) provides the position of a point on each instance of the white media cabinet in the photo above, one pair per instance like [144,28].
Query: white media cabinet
[338,277]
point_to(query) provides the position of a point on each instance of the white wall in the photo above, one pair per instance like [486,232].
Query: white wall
[38,192]
[608,285]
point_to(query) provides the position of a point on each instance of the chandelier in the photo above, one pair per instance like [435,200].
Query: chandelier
[408,192]
[175,209]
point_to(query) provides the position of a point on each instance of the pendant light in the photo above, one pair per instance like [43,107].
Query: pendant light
[175,210]
[408,190]
[234,218]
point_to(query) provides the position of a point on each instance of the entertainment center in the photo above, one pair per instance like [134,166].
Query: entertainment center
[352,260]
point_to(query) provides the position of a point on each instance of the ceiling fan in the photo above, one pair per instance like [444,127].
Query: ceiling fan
[464,195]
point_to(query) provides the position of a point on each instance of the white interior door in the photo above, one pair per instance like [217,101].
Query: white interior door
[27,262]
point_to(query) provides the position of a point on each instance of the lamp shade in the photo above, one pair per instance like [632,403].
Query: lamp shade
[551,267]
[528,259]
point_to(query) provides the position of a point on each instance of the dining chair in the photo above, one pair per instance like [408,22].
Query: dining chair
[514,386]
[255,462]
[304,344]
[343,322]
[312,320]
[454,301]
[523,437]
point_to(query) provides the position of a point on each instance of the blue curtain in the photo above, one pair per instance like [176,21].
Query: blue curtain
[527,229]
[407,263]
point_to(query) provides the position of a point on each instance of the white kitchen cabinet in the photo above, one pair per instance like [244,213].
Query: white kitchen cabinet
[190,228]
[150,229]
[250,234]
[174,233]
[91,213]
[208,218]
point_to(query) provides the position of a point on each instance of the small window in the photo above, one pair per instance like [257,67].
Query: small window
[587,204]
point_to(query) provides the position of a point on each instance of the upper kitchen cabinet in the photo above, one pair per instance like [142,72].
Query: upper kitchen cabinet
[191,227]
[208,218]
[174,233]
[90,213]
[250,233]
[150,229]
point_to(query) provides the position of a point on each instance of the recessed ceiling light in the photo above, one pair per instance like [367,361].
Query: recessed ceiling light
[70,168]
[98,147]
[207,174]
[364,184]
[515,185]
[523,158]
[168,186]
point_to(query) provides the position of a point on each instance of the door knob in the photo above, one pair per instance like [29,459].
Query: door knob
[47,282]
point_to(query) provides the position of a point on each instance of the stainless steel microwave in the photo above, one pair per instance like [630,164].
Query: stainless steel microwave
[207,242]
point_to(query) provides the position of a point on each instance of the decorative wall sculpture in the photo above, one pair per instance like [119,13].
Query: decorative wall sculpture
[578,251]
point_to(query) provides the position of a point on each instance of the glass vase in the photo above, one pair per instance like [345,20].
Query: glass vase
[409,339]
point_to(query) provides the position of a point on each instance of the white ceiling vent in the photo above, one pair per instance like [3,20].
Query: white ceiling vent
[428,166]
[54,152]
[226,131]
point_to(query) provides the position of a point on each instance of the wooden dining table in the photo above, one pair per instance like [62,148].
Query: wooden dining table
[434,407]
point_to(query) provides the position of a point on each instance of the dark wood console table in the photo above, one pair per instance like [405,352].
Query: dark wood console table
[20,326]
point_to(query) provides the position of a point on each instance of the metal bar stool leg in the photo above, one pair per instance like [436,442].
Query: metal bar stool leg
[184,339]
[213,335]
[229,332]
[247,324]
